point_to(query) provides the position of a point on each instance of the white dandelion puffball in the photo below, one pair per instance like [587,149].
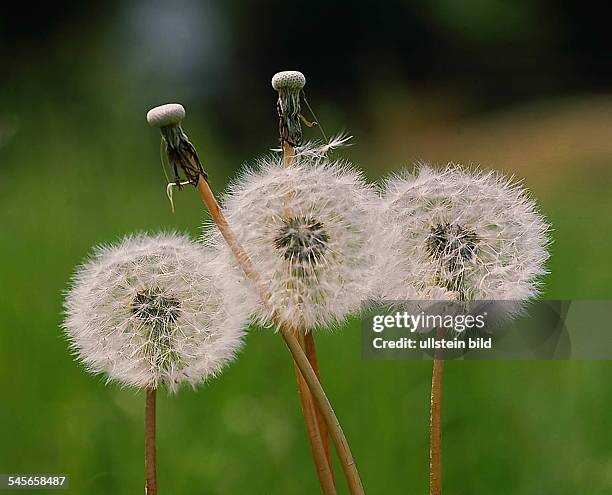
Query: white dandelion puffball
[474,234]
[151,311]
[309,230]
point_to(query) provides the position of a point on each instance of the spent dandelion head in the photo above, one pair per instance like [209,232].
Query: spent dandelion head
[152,311]
[177,149]
[289,85]
[474,234]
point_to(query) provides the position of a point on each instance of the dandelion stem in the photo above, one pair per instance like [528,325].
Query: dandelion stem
[321,400]
[238,251]
[288,154]
[435,425]
[311,354]
[319,436]
[150,461]
[344,452]
[310,413]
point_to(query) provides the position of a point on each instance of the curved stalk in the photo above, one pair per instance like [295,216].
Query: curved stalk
[342,448]
[311,354]
[319,455]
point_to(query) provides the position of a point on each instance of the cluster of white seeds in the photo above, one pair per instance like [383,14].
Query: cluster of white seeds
[310,231]
[163,310]
[151,311]
[474,234]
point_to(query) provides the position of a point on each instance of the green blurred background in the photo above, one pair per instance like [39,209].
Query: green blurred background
[521,86]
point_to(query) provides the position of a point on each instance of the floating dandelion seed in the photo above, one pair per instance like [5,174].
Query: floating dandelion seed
[475,234]
[310,231]
[151,311]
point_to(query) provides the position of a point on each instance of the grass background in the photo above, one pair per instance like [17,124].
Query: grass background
[78,166]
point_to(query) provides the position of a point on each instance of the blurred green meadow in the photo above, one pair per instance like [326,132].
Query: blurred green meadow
[79,166]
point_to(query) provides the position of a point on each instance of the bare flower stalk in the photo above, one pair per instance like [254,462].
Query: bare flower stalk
[289,85]
[288,154]
[311,418]
[342,448]
[182,156]
[212,205]
[150,460]
[435,424]
[311,354]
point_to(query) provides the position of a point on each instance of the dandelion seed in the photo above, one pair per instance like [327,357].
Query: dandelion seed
[152,311]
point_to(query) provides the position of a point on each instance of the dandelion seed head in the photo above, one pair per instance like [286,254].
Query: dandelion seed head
[153,307]
[302,238]
[310,231]
[449,243]
[152,310]
[475,234]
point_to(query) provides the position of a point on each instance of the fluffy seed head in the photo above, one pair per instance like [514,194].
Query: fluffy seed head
[152,311]
[165,115]
[289,80]
[301,238]
[309,230]
[475,234]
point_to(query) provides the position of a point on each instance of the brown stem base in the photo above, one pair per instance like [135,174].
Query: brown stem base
[435,429]
[150,461]
[342,447]
[309,411]
[311,354]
